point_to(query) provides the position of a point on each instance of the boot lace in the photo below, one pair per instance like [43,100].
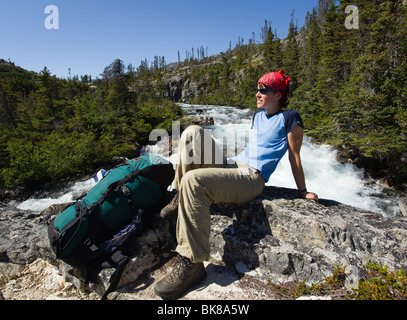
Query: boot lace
[178,269]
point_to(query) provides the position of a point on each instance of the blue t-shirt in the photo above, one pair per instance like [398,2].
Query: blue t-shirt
[268,140]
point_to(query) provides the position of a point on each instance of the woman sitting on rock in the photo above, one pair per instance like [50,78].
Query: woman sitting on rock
[204,177]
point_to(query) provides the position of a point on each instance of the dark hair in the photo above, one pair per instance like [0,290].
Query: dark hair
[285,99]
[285,95]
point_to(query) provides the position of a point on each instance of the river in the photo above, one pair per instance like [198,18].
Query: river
[324,175]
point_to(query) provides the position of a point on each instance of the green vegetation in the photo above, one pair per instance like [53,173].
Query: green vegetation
[349,85]
[378,284]
[381,284]
[334,285]
[54,128]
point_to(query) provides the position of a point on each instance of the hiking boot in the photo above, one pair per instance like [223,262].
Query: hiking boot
[170,211]
[181,276]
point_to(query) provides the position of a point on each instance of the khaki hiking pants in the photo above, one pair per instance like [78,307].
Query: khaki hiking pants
[202,177]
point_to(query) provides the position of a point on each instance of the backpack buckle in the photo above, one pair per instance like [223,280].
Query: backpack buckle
[126,190]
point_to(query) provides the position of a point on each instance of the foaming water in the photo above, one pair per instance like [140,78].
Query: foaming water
[65,196]
[332,180]
[325,176]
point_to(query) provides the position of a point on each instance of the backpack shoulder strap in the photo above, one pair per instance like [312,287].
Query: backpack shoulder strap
[120,261]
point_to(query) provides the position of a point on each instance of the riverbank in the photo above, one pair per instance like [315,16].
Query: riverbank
[388,168]
[340,181]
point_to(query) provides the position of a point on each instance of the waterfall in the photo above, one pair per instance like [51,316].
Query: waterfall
[325,176]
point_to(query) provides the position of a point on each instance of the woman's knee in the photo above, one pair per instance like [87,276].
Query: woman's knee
[192,130]
[190,180]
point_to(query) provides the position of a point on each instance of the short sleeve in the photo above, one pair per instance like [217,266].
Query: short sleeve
[292,118]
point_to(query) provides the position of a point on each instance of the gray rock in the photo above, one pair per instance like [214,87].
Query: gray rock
[199,120]
[24,238]
[403,207]
[174,87]
[277,237]
[281,237]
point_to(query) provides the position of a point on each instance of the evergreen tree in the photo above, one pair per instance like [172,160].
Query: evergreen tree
[118,96]
[8,105]
[311,53]
[268,49]
[374,96]
[45,112]
[291,54]
[330,77]
[278,52]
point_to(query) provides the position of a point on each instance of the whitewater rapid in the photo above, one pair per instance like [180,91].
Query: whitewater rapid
[324,175]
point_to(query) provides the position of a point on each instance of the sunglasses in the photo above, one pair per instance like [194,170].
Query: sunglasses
[266,90]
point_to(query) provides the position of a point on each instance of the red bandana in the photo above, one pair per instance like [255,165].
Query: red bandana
[275,80]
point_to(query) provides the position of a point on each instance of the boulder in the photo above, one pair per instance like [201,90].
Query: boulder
[200,120]
[174,88]
[403,207]
[24,240]
[280,237]
[277,237]
[24,236]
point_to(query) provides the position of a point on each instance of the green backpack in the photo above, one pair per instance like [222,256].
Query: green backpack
[91,231]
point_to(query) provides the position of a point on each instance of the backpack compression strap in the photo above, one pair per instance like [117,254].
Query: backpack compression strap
[82,210]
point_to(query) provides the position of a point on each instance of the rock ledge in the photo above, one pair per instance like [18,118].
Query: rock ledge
[277,237]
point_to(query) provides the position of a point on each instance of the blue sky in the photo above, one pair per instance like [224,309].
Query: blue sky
[93,33]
